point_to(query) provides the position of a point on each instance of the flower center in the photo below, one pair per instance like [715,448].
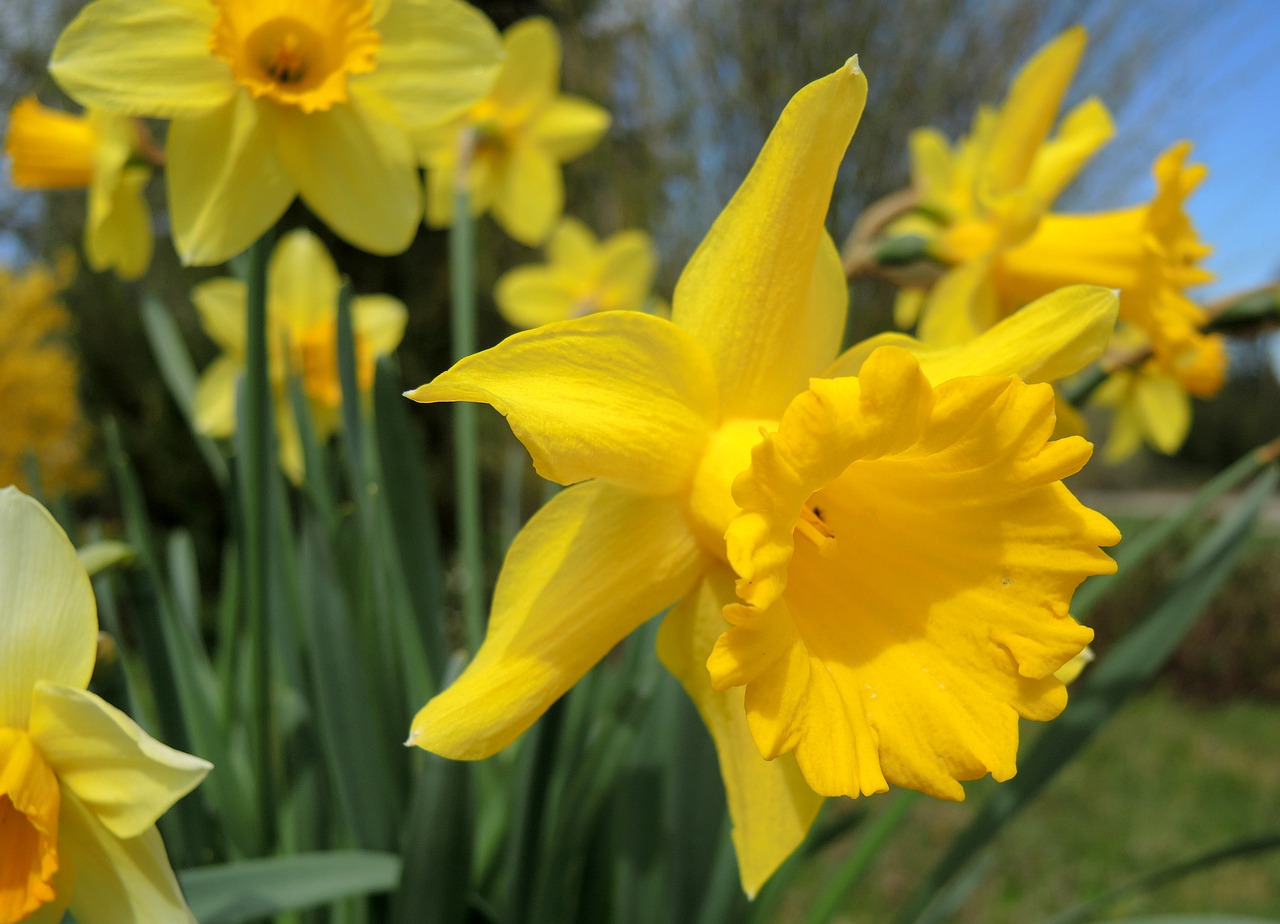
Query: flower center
[296,54]
[29,804]
[315,359]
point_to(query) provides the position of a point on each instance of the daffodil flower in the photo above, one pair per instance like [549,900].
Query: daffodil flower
[515,140]
[582,276]
[922,546]
[272,99]
[97,151]
[81,785]
[302,340]
[40,414]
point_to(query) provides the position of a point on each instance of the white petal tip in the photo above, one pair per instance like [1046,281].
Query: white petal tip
[853,66]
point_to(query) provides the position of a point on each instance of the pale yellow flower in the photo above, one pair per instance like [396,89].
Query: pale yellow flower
[40,410]
[272,99]
[582,276]
[895,517]
[515,139]
[81,785]
[302,340]
[100,152]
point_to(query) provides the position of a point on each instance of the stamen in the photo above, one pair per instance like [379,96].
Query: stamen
[813,528]
[287,65]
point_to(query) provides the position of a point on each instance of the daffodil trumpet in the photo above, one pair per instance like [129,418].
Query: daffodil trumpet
[868,558]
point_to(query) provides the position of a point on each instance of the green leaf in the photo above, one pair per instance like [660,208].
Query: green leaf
[1129,665]
[435,884]
[253,889]
[179,373]
[1151,881]
[104,554]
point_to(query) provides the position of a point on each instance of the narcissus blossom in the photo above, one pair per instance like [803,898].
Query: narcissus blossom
[302,340]
[515,140]
[583,275]
[81,785]
[923,534]
[272,99]
[97,151]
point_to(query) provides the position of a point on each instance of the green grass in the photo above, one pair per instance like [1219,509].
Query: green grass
[1165,781]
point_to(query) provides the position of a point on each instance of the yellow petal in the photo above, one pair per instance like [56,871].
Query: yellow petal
[770,805]
[530,296]
[1085,129]
[620,396]
[1050,339]
[745,292]
[1030,110]
[1125,435]
[379,322]
[437,58]
[118,880]
[572,244]
[292,460]
[355,168]
[302,282]
[570,126]
[960,306]
[628,266]
[1165,410]
[907,555]
[118,226]
[530,194]
[530,75]
[550,625]
[215,402]
[220,302]
[143,58]
[932,169]
[226,184]
[48,617]
[117,771]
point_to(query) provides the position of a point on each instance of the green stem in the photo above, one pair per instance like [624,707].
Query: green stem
[466,439]
[256,519]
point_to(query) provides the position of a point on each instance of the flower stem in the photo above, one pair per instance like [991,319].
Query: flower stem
[256,520]
[465,419]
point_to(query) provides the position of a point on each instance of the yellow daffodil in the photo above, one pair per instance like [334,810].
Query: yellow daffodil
[81,785]
[302,340]
[97,151]
[582,276]
[515,140]
[1152,398]
[989,189]
[897,526]
[39,382]
[272,99]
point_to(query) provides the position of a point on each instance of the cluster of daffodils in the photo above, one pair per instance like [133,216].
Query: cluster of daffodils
[81,785]
[338,102]
[984,211]
[868,558]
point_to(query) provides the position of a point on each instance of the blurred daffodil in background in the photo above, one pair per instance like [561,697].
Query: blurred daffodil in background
[514,140]
[302,340]
[106,154]
[983,212]
[897,528]
[582,275]
[40,416]
[81,785]
[272,99]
